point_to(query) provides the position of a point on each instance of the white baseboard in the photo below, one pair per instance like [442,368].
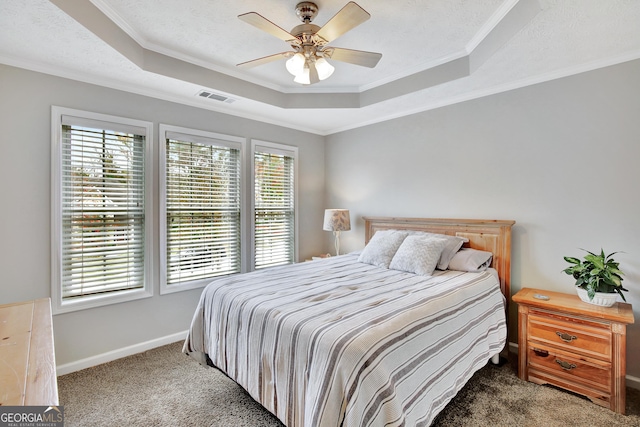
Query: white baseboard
[633,382]
[109,356]
[513,347]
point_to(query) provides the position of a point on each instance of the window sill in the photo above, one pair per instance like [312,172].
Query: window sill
[83,303]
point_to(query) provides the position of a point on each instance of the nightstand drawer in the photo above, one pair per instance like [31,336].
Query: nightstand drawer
[571,334]
[591,373]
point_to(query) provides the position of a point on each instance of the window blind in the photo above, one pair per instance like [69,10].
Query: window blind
[103,208]
[202,209]
[274,214]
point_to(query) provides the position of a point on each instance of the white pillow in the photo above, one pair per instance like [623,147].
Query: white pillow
[418,254]
[471,260]
[454,243]
[382,247]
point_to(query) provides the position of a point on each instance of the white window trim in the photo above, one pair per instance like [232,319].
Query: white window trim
[276,148]
[58,305]
[224,140]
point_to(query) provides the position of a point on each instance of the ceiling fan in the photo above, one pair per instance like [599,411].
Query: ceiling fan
[308,60]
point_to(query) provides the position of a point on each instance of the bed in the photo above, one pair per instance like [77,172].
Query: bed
[341,342]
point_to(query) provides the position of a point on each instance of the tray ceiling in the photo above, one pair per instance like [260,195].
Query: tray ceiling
[435,52]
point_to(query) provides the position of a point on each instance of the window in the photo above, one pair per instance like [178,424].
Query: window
[201,207]
[217,217]
[100,209]
[274,219]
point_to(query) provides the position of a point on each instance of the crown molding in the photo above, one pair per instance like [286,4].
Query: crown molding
[501,88]
[493,21]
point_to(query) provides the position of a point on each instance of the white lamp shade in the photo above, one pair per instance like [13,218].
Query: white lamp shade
[324,68]
[303,78]
[336,220]
[295,64]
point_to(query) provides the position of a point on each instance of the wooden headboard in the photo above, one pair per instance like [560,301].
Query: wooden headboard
[487,235]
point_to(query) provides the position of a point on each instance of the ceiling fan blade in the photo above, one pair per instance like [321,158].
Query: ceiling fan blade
[346,19]
[265,25]
[357,57]
[265,60]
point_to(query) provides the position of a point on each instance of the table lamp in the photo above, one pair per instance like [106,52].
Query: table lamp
[337,220]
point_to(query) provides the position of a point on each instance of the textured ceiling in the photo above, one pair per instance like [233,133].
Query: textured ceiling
[421,31]
[435,52]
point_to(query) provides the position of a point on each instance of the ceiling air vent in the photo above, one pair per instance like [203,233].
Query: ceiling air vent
[215,96]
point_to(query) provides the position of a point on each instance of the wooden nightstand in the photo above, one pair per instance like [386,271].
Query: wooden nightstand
[574,345]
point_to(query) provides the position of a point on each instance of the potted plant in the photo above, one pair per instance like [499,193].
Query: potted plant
[598,278]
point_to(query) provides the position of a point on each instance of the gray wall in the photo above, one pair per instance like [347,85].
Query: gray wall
[560,158]
[25,167]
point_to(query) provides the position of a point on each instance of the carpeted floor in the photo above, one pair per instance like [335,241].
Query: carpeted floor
[163,387]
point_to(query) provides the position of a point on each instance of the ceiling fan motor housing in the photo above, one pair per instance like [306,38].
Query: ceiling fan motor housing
[304,32]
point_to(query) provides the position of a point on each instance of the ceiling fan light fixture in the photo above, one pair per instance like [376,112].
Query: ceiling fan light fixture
[324,68]
[303,77]
[295,64]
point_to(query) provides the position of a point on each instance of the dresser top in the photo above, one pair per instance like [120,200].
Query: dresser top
[571,303]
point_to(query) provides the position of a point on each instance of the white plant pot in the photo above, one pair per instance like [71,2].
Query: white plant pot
[600,298]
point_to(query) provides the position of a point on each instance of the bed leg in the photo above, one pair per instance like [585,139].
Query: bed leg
[495,359]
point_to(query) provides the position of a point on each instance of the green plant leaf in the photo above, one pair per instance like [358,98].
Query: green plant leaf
[595,260]
[607,288]
[610,255]
[616,271]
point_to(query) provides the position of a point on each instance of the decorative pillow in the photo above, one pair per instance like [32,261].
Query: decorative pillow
[454,243]
[471,260]
[418,254]
[382,247]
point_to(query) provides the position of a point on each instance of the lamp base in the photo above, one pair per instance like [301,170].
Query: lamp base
[337,242]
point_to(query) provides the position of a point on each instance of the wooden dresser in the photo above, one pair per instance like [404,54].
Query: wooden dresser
[574,345]
[27,360]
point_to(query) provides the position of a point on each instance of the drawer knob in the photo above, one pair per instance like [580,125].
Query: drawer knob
[566,365]
[540,353]
[566,337]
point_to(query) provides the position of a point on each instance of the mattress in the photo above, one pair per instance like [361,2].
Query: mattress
[336,342]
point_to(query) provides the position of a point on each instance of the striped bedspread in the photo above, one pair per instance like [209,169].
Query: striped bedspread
[341,343]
